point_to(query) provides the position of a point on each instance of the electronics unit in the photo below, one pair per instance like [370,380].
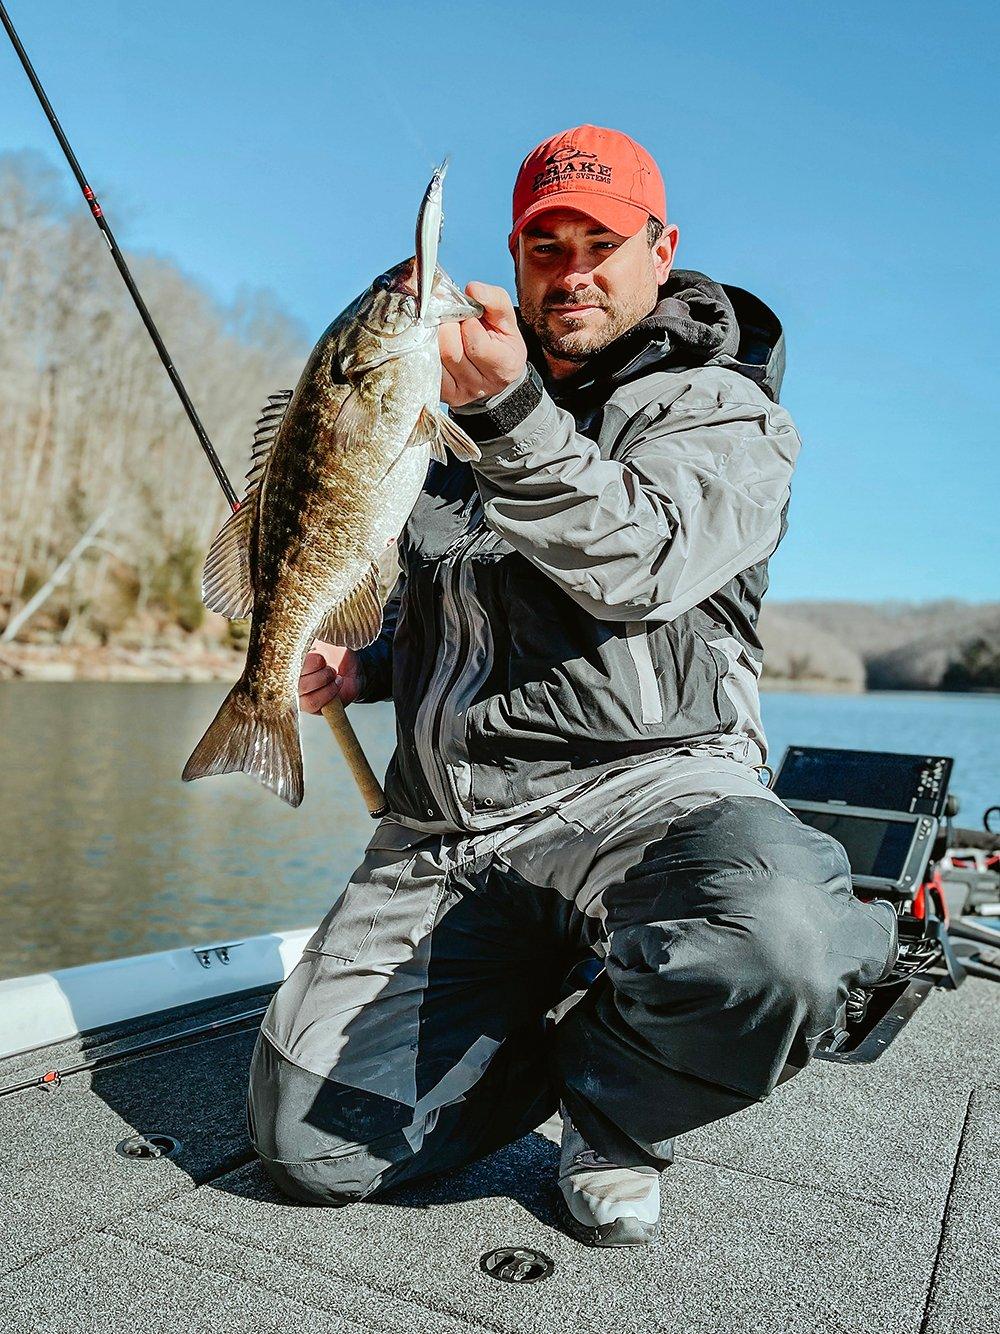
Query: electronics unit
[882,807]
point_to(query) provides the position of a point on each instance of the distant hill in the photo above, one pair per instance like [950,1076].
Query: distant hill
[798,652]
[945,645]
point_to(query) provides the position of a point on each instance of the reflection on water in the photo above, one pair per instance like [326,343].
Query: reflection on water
[107,853]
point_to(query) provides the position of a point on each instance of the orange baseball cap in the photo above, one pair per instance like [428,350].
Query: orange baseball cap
[602,173]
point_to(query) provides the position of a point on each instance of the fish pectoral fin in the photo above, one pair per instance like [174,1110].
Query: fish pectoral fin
[226,583]
[426,433]
[438,430]
[452,435]
[357,620]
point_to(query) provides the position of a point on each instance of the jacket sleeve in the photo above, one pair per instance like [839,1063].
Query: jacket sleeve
[694,498]
[375,661]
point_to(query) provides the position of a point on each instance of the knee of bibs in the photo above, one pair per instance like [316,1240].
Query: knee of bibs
[329,1181]
[306,1142]
[783,953]
[772,948]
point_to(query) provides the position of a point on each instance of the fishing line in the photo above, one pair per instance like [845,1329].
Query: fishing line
[386,90]
[387,94]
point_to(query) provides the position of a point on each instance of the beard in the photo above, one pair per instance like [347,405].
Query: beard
[593,331]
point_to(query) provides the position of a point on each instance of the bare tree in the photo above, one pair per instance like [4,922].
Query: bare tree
[89,423]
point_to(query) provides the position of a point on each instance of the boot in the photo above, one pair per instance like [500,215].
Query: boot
[606,1205]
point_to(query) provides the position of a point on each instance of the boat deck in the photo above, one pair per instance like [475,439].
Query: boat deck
[861,1198]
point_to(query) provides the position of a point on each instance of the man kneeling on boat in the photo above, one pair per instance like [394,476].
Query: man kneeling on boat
[572,653]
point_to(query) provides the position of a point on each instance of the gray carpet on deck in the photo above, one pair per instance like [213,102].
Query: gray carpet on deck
[886,1132]
[93,1285]
[860,1198]
[59,1172]
[738,1252]
[966,1290]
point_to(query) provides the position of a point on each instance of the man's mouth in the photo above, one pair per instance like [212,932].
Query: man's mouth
[568,312]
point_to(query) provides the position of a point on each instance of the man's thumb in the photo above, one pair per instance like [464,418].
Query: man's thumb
[497,305]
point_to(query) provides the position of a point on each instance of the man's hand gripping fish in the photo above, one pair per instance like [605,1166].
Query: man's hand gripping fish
[335,470]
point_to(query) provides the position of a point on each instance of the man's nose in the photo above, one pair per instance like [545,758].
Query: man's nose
[577,270]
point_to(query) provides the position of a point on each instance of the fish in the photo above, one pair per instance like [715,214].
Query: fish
[336,467]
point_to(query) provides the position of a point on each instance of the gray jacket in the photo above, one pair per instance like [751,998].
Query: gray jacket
[587,594]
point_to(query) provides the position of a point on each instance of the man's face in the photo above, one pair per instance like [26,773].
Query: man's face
[580,286]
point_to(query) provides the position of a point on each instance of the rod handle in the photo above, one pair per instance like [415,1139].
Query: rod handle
[357,761]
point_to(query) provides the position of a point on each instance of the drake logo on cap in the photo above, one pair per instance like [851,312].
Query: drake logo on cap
[568,163]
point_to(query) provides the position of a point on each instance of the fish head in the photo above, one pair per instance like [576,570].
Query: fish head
[384,321]
[396,296]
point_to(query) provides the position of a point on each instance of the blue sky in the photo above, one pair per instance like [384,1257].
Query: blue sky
[838,159]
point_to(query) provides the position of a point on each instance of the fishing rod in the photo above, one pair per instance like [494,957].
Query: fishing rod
[334,712]
[120,1055]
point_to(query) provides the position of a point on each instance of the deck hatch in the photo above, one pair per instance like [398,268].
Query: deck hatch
[516,1264]
[147,1148]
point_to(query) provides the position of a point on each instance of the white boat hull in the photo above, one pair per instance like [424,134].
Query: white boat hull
[50,1007]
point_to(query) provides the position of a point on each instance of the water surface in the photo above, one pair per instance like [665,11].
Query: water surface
[107,853]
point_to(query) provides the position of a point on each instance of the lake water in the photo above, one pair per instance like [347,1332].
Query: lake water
[106,853]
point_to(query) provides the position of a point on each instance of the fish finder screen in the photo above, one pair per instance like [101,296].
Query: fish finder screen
[875,848]
[884,781]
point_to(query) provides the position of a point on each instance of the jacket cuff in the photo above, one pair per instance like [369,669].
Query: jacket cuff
[370,665]
[500,415]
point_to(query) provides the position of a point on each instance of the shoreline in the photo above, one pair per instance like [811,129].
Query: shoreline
[198,661]
[201,661]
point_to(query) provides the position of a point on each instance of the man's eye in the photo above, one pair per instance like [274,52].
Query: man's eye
[543,249]
[606,245]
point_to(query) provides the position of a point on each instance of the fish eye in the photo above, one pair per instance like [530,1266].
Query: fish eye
[383,282]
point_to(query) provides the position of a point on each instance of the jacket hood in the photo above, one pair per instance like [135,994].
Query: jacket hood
[696,322]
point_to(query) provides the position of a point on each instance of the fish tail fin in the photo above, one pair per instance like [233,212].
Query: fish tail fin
[240,739]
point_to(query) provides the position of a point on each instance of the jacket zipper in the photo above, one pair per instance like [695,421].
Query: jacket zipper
[429,753]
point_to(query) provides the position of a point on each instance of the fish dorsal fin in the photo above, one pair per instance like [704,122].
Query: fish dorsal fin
[226,583]
[271,417]
[357,620]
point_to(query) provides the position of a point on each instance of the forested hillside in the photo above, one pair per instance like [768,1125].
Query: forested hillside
[884,646]
[90,426]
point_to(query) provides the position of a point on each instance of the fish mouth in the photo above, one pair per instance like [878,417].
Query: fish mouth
[445,299]
[430,219]
[450,302]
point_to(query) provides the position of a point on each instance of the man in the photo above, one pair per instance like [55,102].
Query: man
[573,656]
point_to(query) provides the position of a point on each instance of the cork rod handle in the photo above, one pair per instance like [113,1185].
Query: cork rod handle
[357,761]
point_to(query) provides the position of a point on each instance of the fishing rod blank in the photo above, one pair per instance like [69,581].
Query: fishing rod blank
[334,712]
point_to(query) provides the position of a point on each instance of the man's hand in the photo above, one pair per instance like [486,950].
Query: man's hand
[328,673]
[480,358]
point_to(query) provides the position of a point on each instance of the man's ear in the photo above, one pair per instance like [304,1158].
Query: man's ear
[664,252]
